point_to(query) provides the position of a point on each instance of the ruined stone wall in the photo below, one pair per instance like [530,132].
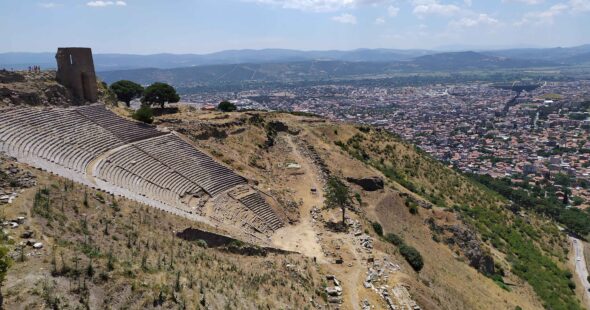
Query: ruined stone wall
[75,70]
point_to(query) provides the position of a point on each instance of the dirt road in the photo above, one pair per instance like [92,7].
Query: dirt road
[581,269]
[302,236]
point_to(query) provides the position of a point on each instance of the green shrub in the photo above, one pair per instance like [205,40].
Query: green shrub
[412,256]
[227,106]
[394,239]
[144,114]
[202,243]
[377,228]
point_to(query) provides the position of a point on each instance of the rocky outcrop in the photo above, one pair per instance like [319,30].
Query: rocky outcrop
[369,184]
[472,248]
[464,239]
[13,179]
[36,89]
[10,77]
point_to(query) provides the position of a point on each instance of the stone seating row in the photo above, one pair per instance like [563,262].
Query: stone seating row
[61,136]
[260,207]
[179,155]
[126,130]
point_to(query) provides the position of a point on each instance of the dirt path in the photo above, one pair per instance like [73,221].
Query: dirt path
[581,269]
[302,237]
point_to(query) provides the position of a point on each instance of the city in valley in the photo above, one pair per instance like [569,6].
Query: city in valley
[295,154]
[475,127]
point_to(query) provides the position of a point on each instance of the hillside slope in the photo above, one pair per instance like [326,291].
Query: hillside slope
[100,251]
[454,206]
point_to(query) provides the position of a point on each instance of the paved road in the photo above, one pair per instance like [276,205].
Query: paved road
[581,269]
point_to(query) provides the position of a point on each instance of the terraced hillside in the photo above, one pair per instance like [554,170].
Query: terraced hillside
[416,232]
[95,147]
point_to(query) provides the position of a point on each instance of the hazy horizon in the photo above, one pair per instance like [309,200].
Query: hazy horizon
[207,26]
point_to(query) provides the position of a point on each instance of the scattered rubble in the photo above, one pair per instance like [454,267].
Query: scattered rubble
[334,292]
[316,214]
[13,180]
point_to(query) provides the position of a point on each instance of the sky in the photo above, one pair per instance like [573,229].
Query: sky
[204,26]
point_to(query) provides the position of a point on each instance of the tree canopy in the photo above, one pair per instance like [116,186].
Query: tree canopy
[159,94]
[226,106]
[337,195]
[126,91]
[144,114]
[5,262]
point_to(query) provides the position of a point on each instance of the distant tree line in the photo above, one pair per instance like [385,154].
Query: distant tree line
[542,199]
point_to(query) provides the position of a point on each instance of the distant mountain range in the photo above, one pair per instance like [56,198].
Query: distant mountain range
[107,62]
[314,70]
[110,62]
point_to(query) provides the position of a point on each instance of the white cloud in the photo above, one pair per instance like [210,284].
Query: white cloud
[100,3]
[433,7]
[529,2]
[48,5]
[317,5]
[579,6]
[481,19]
[468,2]
[543,17]
[379,21]
[392,11]
[345,19]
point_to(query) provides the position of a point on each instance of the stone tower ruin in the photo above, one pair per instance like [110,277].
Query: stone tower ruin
[75,70]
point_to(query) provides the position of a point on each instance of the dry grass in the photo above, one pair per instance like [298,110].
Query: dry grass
[136,260]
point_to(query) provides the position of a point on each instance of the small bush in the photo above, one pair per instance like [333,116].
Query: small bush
[377,228]
[412,256]
[202,243]
[394,239]
[144,114]
[413,209]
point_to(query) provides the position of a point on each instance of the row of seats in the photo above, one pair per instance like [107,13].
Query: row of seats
[61,136]
[260,207]
[160,166]
[136,170]
[179,155]
[126,130]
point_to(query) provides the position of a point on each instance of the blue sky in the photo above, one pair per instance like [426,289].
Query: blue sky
[202,26]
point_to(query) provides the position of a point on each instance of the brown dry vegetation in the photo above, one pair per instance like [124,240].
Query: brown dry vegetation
[148,259]
[114,253]
[447,282]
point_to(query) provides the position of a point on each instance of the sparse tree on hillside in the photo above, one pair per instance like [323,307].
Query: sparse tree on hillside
[337,196]
[227,106]
[5,262]
[159,94]
[126,91]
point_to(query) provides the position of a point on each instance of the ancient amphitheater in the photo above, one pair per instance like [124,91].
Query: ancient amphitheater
[94,146]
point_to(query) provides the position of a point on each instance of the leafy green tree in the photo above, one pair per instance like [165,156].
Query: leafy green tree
[563,180]
[337,195]
[5,263]
[377,228]
[159,94]
[227,106]
[144,114]
[412,256]
[126,91]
